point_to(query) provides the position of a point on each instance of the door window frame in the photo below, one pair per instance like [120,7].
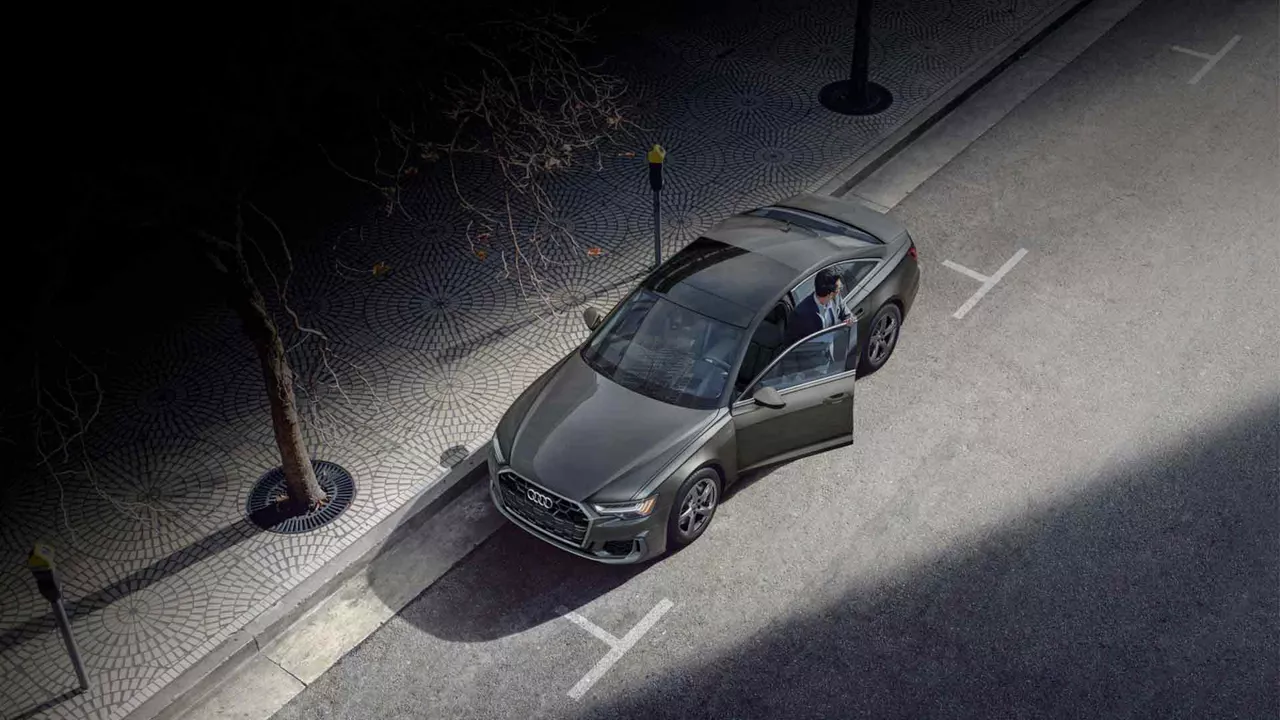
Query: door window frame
[745,398]
[875,264]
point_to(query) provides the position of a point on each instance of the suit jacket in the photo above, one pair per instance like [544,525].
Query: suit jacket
[806,320]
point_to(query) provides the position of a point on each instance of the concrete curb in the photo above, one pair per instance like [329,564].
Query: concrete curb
[948,99]
[179,697]
[250,644]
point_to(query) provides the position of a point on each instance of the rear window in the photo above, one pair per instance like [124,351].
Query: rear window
[816,223]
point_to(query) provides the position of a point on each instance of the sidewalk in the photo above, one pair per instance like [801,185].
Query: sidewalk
[160,564]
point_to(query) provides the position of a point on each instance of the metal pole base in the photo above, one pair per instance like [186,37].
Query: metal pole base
[841,97]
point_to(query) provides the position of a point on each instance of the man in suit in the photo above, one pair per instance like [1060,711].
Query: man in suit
[820,310]
[816,312]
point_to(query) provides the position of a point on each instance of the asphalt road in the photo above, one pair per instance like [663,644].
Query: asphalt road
[1063,504]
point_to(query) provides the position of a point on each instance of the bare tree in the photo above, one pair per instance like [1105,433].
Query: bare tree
[530,108]
[228,258]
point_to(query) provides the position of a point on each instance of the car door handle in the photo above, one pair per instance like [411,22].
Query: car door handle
[832,399]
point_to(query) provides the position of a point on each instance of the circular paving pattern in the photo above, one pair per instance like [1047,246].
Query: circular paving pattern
[901,15]
[774,165]
[751,104]
[930,48]
[153,498]
[29,510]
[817,51]
[340,391]
[430,308]
[152,616]
[264,506]
[166,395]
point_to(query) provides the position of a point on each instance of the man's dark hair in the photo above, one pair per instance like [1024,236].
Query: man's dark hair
[825,283]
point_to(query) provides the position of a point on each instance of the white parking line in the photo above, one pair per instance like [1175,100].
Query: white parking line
[616,646]
[1212,59]
[987,282]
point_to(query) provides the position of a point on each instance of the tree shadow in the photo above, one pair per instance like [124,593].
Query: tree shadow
[1155,592]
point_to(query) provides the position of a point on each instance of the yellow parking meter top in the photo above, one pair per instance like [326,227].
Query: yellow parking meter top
[657,155]
[41,557]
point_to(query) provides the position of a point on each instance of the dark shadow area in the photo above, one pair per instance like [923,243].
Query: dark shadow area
[47,705]
[511,583]
[1152,593]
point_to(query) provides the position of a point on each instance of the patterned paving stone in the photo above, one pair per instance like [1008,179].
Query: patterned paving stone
[907,15]
[777,162]
[821,51]
[156,617]
[431,308]
[745,104]
[152,498]
[164,395]
[339,389]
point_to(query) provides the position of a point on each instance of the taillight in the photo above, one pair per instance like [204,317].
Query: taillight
[912,252]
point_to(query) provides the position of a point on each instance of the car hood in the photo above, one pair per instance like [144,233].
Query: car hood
[582,435]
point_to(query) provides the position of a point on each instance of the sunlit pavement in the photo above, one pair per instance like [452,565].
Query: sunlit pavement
[1062,504]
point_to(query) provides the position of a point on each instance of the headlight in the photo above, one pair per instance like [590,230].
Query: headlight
[497,450]
[628,510]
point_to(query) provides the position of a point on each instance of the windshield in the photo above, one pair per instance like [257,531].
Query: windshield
[665,351]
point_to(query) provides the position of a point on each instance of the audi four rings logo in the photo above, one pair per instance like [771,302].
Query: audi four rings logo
[540,500]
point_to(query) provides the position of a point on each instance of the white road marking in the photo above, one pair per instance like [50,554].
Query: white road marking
[987,282]
[1212,59]
[966,271]
[616,646]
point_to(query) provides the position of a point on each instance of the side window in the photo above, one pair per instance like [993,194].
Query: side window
[765,344]
[851,273]
[854,272]
[821,356]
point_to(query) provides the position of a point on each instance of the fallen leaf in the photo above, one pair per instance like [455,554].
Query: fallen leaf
[482,253]
[593,252]
[380,269]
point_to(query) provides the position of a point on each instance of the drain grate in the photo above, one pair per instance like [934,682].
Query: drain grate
[268,514]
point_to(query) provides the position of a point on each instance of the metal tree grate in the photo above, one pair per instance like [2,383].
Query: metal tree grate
[267,512]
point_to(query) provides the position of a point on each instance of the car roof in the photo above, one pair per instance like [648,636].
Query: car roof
[744,263]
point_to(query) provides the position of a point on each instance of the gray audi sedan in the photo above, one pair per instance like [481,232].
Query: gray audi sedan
[623,450]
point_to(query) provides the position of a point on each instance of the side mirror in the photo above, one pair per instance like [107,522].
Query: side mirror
[769,397]
[592,317]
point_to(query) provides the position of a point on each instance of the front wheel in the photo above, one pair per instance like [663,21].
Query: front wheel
[882,339]
[695,505]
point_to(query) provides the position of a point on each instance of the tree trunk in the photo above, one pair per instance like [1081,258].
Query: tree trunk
[248,303]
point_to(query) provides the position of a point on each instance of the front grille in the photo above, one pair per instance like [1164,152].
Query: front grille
[564,519]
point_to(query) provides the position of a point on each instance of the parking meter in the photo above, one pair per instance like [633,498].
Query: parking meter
[41,564]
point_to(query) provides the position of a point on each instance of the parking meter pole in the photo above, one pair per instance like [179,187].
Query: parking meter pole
[40,562]
[860,65]
[64,625]
[857,94]
[656,158]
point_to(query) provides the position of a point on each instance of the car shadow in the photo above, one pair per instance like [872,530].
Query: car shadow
[510,584]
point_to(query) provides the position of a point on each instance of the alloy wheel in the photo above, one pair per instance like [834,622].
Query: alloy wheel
[698,506]
[883,336]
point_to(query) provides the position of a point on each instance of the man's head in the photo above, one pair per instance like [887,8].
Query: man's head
[826,285]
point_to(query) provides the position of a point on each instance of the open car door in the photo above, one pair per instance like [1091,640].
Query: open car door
[801,403]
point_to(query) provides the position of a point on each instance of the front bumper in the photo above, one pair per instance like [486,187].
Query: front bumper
[608,540]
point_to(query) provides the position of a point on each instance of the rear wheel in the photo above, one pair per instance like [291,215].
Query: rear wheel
[695,505]
[881,340]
